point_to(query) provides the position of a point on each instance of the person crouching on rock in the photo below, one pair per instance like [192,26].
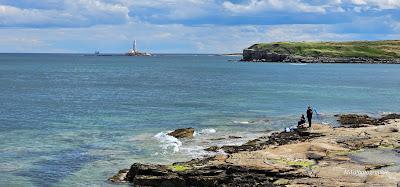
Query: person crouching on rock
[301,122]
[309,115]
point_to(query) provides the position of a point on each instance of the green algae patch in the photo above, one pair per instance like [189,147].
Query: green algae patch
[178,168]
[387,146]
[314,167]
[297,163]
[304,163]
[281,182]
[344,152]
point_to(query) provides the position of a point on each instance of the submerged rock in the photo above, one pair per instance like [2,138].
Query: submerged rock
[120,177]
[182,133]
[212,149]
[225,138]
[234,137]
[217,139]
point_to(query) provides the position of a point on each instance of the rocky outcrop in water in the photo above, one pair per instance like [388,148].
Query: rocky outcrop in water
[182,133]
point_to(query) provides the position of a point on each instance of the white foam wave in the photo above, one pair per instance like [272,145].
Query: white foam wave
[194,151]
[208,131]
[242,122]
[168,142]
[298,64]
[387,113]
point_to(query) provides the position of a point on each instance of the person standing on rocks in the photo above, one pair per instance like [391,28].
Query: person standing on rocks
[309,115]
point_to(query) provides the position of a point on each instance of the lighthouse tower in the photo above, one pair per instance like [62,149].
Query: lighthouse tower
[134,51]
[134,46]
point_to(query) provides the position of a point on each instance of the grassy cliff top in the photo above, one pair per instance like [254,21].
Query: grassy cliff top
[371,49]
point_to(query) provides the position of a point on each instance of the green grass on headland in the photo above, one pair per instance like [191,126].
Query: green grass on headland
[372,49]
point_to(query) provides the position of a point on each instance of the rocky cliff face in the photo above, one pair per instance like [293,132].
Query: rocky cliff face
[253,55]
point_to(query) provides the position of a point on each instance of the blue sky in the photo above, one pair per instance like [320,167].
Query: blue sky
[188,26]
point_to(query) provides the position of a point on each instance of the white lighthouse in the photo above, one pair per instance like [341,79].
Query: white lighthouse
[135,52]
[134,46]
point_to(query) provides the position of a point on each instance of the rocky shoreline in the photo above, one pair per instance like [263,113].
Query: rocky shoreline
[251,55]
[318,156]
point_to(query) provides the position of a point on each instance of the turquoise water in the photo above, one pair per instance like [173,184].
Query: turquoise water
[74,120]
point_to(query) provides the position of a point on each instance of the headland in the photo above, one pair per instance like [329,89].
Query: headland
[362,52]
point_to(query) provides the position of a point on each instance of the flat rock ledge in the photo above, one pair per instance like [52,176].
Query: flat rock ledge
[318,156]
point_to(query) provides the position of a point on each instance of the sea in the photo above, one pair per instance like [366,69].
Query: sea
[75,120]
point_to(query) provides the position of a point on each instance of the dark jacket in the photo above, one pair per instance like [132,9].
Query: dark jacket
[302,120]
[309,113]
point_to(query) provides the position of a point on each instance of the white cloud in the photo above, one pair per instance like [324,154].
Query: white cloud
[324,6]
[380,4]
[175,9]
[74,13]
[84,13]
[173,38]
[105,25]
[396,26]
[273,5]
[305,33]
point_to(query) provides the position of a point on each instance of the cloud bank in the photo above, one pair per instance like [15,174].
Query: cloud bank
[204,26]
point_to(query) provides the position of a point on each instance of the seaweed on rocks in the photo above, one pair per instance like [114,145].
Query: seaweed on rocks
[356,120]
[209,175]
[277,138]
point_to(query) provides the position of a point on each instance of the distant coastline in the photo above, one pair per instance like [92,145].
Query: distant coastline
[361,52]
[232,54]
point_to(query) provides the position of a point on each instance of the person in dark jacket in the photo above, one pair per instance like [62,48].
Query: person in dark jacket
[309,115]
[301,122]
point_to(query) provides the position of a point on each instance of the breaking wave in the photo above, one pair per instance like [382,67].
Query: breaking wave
[168,142]
[208,131]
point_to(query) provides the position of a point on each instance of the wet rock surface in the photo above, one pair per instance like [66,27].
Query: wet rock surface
[120,177]
[277,138]
[234,137]
[218,175]
[318,156]
[356,120]
[182,133]
[385,118]
[212,149]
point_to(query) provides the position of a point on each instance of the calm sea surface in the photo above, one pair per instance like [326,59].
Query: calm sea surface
[74,120]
